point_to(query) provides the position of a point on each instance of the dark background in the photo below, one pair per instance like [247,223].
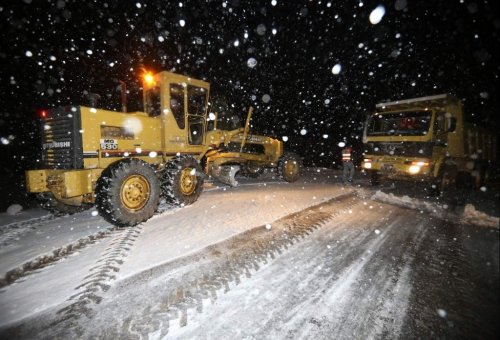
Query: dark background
[56,52]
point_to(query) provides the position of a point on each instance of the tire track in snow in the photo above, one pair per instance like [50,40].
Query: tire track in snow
[49,258]
[96,283]
[12,231]
[236,259]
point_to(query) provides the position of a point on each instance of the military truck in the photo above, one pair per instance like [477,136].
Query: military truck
[427,139]
[124,163]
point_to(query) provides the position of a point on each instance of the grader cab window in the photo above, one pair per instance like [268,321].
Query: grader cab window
[177,104]
[153,101]
[197,98]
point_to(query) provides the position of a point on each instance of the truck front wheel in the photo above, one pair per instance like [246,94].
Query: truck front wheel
[374,178]
[127,193]
[446,179]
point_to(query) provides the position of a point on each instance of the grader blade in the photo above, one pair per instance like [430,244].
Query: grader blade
[225,174]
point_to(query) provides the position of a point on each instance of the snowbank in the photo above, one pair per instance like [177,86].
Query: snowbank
[470,215]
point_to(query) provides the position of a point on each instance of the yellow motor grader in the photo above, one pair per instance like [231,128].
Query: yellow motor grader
[125,162]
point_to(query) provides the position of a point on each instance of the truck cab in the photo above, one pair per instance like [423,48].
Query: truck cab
[425,139]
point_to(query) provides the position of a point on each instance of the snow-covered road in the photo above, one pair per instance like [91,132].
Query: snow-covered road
[268,259]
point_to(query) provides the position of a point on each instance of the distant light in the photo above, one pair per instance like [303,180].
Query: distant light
[153,154]
[336,69]
[377,14]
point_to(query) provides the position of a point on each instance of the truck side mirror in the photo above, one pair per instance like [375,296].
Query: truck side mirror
[452,124]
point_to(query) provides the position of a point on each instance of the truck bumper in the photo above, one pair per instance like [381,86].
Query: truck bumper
[64,184]
[403,169]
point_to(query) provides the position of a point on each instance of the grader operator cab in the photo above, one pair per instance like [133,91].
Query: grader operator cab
[125,162]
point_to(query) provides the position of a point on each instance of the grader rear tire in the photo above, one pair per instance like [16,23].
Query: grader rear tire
[290,167]
[182,181]
[127,193]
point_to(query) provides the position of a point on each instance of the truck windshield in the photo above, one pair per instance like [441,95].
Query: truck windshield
[408,123]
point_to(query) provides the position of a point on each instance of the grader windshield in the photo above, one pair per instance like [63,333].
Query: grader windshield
[407,123]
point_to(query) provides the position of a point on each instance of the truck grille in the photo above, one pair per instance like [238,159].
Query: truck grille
[61,139]
[408,149]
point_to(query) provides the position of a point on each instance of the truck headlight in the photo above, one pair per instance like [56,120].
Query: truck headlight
[414,169]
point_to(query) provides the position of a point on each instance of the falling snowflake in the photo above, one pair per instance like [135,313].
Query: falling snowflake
[266,98]
[251,62]
[442,313]
[303,132]
[377,14]
[336,69]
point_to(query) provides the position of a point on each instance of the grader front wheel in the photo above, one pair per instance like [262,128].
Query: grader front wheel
[290,167]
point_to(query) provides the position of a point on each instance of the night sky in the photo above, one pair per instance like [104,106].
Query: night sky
[313,70]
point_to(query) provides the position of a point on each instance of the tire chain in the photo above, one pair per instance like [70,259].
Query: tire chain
[97,282]
[183,297]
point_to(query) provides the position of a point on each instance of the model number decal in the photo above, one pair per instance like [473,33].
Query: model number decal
[109,144]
